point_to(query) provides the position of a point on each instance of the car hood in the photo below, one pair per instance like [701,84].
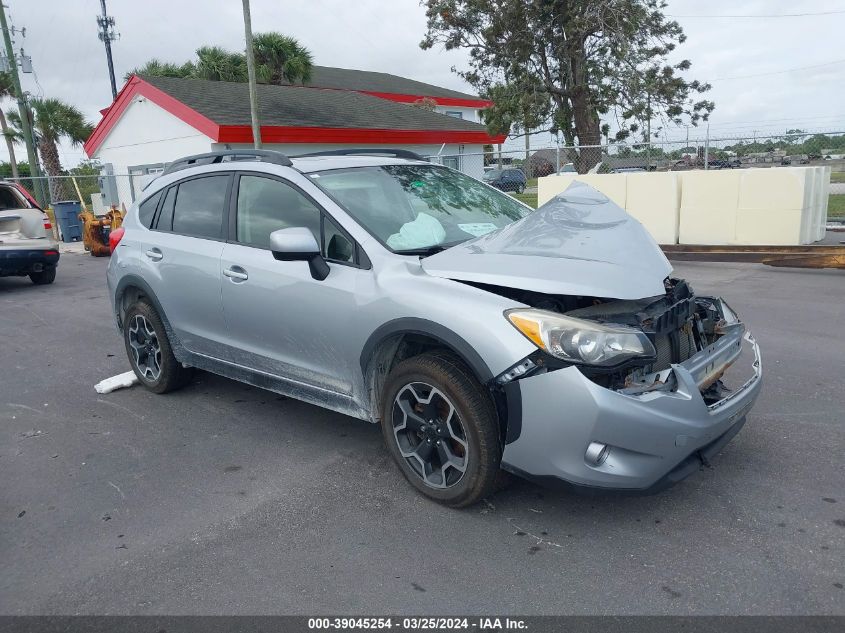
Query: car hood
[579,243]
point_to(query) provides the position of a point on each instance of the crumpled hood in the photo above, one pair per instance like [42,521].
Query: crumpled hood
[578,243]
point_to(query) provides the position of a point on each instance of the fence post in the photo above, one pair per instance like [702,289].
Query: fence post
[557,169]
[707,148]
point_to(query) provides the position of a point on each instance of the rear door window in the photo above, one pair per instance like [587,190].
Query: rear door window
[200,206]
[165,216]
[147,209]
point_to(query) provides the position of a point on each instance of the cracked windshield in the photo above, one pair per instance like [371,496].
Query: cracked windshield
[413,208]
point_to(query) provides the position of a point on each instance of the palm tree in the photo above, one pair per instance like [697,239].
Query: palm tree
[281,59]
[7,89]
[218,64]
[53,119]
[156,68]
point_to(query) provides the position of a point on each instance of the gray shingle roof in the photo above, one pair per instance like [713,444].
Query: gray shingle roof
[348,79]
[227,103]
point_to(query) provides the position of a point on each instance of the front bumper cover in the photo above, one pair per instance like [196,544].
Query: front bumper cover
[656,438]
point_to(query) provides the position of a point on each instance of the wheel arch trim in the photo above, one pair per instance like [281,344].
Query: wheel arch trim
[442,334]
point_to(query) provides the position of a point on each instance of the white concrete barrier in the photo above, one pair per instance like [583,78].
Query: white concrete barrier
[709,203]
[654,199]
[774,205]
[785,205]
[824,188]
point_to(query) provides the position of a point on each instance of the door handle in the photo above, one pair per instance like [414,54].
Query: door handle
[236,273]
[154,254]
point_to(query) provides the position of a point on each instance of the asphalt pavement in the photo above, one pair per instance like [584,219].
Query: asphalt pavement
[223,498]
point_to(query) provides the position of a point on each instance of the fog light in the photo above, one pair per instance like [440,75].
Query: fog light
[597,453]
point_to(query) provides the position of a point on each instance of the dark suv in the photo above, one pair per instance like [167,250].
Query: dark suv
[507,179]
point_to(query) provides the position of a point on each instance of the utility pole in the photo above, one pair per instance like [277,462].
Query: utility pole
[250,67]
[23,108]
[107,36]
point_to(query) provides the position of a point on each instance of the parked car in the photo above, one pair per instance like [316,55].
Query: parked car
[554,344]
[507,179]
[27,246]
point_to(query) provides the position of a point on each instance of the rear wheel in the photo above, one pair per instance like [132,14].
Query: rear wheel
[44,277]
[149,350]
[441,428]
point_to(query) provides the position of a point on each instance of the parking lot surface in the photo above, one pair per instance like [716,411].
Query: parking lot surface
[223,498]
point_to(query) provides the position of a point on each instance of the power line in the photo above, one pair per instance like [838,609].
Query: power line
[760,15]
[779,72]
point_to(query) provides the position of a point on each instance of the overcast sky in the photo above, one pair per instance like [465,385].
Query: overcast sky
[383,35]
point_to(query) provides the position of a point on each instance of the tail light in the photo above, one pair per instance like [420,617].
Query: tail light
[47,225]
[115,237]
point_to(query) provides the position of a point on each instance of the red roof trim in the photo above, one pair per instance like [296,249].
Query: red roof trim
[369,136]
[444,101]
[136,86]
[283,134]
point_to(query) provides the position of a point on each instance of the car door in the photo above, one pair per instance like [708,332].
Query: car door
[180,260]
[281,320]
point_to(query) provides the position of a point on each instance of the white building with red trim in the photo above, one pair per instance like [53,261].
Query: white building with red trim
[155,120]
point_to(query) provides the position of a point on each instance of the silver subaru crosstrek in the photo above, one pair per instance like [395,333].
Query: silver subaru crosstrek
[480,335]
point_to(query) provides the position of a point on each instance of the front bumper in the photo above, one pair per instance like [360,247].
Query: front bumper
[25,261]
[656,438]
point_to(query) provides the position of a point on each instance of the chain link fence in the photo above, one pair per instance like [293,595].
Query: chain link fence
[99,193]
[515,170]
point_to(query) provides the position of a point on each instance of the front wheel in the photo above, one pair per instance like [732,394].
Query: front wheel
[149,350]
[441,427]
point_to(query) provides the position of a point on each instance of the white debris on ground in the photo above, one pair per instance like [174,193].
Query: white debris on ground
[126,379]
[73,248]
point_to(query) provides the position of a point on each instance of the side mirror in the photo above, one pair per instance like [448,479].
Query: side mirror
[298,244]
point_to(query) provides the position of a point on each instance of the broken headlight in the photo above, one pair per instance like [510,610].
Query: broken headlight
[579,340]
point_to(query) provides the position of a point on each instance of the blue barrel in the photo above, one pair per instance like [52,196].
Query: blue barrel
[67,212]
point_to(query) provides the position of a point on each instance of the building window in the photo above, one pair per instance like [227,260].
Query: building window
[455,113]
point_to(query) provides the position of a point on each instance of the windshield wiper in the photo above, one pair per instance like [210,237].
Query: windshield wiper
[429,250]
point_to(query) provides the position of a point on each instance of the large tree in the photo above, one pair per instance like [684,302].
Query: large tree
[581,68]
[52,121]
[279,59]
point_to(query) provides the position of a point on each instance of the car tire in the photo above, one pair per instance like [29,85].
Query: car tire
[521,189]
[149,350]
[461,435]
[44,277]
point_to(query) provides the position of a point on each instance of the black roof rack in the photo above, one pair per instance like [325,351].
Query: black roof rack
[263,155]
[397,153]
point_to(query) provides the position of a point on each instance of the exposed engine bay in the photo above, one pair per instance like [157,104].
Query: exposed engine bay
[678,324]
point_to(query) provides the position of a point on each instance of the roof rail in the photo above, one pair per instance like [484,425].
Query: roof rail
[263,155]
[398,153]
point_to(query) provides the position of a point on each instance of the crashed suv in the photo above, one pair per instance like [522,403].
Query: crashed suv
[481,335]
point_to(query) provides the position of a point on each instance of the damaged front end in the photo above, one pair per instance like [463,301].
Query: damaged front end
[644,415]
[622,392]
[680,327]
